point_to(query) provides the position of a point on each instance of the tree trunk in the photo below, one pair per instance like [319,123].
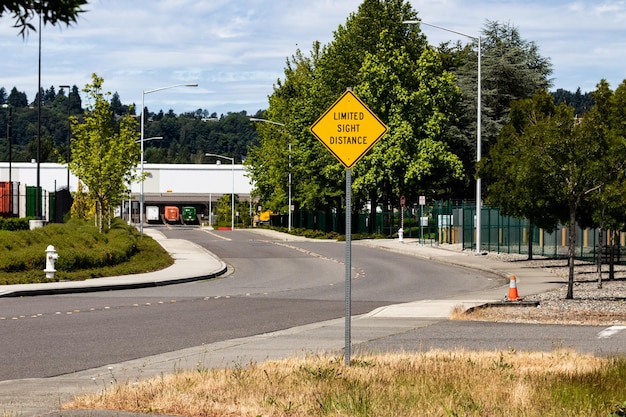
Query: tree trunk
[571,251]
[614,237]
[599,257]
[530,240]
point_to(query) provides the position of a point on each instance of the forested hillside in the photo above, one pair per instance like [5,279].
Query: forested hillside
[186,137]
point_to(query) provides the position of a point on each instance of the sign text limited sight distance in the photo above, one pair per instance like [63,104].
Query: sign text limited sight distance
[348,129]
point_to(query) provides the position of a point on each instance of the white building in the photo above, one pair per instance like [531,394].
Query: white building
[198,185]
[163,181]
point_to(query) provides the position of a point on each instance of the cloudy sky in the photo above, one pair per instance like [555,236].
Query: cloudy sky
[236,49]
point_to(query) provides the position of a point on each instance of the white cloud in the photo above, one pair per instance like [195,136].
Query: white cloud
[236,49]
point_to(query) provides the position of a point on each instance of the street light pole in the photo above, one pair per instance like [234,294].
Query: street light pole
[232,196]
[143,113]
[38,189]
[478,120]
[68,134]
[9,133]
[254,119]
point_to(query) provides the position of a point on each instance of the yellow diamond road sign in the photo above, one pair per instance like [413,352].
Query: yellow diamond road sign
[348,129]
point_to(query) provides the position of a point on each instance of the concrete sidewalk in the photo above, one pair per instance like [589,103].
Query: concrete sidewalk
[36,397]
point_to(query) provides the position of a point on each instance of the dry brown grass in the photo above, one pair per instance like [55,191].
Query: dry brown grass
[435,383]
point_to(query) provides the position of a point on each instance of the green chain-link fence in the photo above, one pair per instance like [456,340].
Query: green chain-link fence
[454,222]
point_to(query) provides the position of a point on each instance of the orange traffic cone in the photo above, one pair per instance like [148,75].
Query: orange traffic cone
[513,290]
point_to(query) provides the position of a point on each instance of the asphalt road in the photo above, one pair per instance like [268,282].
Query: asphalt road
[271,285]
[475,335]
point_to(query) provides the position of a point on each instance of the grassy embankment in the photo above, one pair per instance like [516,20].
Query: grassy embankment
[83,252]
[435,383]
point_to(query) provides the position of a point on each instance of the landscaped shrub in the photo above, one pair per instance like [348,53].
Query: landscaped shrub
[14,224]
[83,252]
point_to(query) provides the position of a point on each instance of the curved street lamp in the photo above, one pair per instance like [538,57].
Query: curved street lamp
[255,119]
[478,117]
[232,196]
[143,112]
[69,133]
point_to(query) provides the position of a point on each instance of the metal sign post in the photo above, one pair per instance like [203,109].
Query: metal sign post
[348,129]
[348,277]
[422,201]
[401,231]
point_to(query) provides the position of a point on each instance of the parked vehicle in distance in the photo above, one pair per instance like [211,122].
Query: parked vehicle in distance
[152,214]
[188,214]
[171,214]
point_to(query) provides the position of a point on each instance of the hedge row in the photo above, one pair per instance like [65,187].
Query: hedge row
[79,245]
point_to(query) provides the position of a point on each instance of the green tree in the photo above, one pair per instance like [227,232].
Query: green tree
[104,154]
[582,103]
[418,99]
[17,98]
[82,206]
[564,157]
[514,170]
[511,69]
[608,203]
[273,177]
[51,11]
[116,105]
[388,65]
[224,211]
[292,103]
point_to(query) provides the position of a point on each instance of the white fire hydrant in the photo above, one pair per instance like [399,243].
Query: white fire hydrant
[51,257]
[401,235]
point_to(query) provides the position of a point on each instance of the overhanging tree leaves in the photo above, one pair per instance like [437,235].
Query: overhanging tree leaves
[52,12]
[104,154]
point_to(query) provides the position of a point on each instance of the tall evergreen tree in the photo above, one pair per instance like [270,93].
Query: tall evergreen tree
[17,98]
[581,102]
[511,69]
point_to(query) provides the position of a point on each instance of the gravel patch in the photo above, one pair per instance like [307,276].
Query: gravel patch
[591,305]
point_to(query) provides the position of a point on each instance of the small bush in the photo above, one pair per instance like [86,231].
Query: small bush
[14,224]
